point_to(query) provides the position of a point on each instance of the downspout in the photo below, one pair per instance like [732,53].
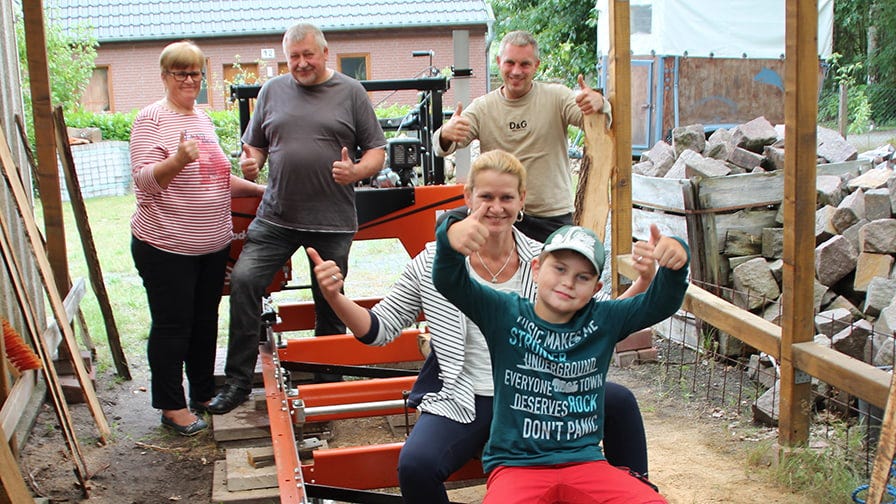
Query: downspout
[489,38]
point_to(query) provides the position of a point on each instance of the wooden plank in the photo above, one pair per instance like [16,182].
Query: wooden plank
[15,403]
[29,314]
[85,332]
[854,168]
[48,173]
[46,275]
[593,192]
[52,335]
[660,193]
[93,262]
[886,449]
[669,224]
[14,489]
[830,366]
[798,315]
[620,94]
[843,372]
[744,190]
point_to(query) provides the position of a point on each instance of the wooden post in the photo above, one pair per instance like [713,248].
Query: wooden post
[620,86]
[46,275]
[886,449]
[90,255]
[800,112]
[48,172]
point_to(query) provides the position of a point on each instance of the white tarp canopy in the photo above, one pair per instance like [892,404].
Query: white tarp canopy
[711,28]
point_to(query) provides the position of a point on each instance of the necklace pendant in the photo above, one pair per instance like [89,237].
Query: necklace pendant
[494,279]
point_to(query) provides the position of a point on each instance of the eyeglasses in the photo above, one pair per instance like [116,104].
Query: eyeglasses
[182,76]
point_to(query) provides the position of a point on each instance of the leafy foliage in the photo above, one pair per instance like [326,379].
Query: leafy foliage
[113,126]
[71,52]
[565,29]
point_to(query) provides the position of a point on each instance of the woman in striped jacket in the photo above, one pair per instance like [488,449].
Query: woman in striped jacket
[454,389]
[181,233]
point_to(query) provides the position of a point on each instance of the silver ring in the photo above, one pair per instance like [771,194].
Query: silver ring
[335,278]
[638,259]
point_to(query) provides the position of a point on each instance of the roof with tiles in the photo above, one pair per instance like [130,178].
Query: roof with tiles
[129,20]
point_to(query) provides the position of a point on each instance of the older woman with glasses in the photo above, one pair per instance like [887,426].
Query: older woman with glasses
[181,234]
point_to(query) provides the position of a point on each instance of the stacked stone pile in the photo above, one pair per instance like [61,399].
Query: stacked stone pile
[855,231]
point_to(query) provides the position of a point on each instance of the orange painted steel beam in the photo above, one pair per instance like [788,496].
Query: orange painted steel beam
[286,457]
[368,467]
[416,224]
[345,349]
[353,392]
[300,316]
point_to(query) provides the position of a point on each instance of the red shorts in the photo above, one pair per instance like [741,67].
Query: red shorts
[581,483]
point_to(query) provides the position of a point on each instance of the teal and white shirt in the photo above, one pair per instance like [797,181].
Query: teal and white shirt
[549,379]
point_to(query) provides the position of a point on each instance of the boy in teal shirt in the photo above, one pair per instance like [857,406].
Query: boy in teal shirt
[550,360]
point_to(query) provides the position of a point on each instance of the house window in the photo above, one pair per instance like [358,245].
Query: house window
[96,96]
[642,19]
[354,65]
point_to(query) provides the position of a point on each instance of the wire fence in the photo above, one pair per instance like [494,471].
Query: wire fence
[867,106]
[737,381]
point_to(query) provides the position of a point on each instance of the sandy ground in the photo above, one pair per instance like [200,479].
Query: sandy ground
[695,457]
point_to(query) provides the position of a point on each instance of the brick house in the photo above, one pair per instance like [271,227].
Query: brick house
[372,40]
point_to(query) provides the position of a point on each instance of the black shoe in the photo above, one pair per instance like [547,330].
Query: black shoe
[198,407]
[229,398]
[194,428]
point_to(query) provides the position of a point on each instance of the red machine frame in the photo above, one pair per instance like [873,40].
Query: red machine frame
[360,467]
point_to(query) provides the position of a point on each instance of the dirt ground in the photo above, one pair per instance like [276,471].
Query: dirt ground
[696,456]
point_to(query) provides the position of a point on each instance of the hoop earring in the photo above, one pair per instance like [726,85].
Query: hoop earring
[520,216]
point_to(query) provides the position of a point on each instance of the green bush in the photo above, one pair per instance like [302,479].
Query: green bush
[115,126]
[227,127]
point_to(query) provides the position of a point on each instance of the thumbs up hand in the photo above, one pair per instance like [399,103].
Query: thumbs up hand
[457,129]
[588,100]
[327,273]
[249,164]
[470,234]
[666,251]
[344,170]
[187,149]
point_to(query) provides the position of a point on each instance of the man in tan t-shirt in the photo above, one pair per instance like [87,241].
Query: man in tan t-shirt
[528,119]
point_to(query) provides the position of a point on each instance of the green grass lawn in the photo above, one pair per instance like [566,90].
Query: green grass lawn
[373,267]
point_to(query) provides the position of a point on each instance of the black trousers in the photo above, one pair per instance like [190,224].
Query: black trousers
[183,293]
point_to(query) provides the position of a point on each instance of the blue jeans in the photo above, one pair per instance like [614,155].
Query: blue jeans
[183,293]
[267,248]
[438,446]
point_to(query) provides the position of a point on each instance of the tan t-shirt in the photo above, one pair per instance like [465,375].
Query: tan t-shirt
[533,128]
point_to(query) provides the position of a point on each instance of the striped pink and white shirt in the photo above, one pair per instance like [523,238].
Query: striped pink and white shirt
[192,215]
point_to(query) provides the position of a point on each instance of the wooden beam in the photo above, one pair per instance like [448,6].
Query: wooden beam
[45,143]
[800,115]
[828,365]
[29,314]
[10,174]
[886,449]
[620,87]
[79,209]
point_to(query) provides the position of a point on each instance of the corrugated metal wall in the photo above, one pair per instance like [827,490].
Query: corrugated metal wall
[10,106]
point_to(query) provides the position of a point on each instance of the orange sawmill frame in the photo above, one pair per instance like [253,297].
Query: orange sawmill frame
[360,467]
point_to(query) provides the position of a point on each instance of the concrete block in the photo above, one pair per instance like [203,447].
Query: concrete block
[242,475]
[222,495]
[625,359]
[648,355]
[636,341]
